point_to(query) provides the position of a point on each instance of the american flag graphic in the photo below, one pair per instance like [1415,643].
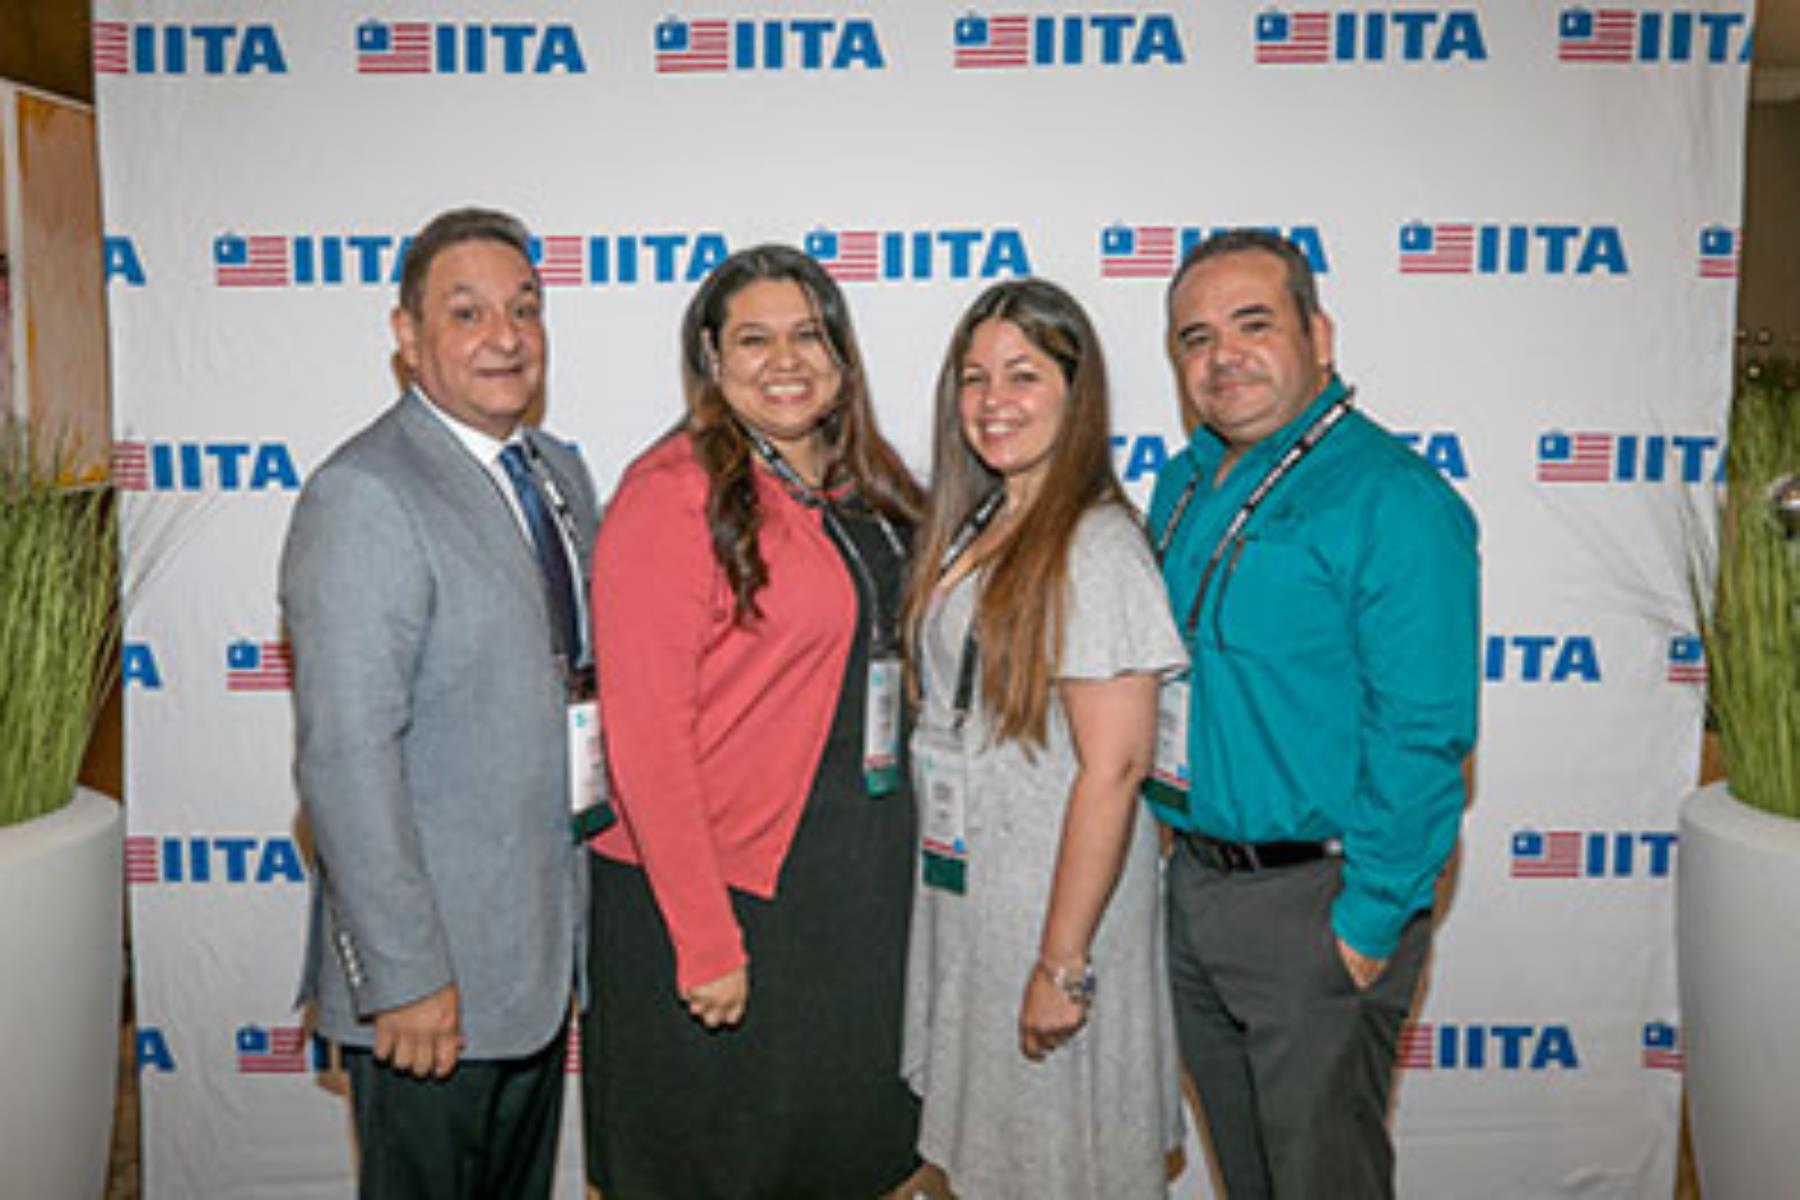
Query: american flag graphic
[141,859]
[848,256]
[1298,37]
[561,260]
[1553,855]
[260,260]
[686,47]
[130,466]
[1662,1047]
[1418,1051]
[258,667]
[112,48]
[1437,249]
[280,1050]
[983,42]
[1575,458]
[399,48]
[1137,251]
[1718,252]
[1585,35]
[1687,659]
[572,1061]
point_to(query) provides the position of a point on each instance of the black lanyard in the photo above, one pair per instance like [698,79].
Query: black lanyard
[1323,424]
[972,528]
[884,634]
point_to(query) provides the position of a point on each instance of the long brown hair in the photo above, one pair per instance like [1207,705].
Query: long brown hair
[1021,612]
[855,453]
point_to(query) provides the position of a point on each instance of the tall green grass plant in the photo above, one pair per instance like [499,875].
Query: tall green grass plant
[1752,628]
[59,619]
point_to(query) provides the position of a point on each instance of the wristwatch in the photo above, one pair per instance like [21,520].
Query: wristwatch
[1077,983]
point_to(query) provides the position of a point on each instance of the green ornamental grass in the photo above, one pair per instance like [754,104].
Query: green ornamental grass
[59,620]
[1752,632]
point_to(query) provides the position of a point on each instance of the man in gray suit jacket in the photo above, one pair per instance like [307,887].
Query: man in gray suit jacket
[434,670]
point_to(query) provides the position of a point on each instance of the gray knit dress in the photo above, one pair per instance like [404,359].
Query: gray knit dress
[1096,1117]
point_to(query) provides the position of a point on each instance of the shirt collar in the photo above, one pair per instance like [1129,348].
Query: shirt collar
[484,447]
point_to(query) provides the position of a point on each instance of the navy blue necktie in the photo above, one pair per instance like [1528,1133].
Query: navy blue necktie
[559,581]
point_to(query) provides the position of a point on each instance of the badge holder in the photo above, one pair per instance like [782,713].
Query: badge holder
[1167,786]
[590,804]
[942,779]
[881,725]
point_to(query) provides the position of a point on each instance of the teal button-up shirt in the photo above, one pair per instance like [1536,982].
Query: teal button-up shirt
[1335,677]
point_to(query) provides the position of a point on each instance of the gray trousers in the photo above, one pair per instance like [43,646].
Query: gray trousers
[1293,1064]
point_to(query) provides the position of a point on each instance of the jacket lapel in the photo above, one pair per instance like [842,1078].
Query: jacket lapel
[464,486]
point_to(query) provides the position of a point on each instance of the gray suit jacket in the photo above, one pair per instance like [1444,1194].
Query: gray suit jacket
[430,755]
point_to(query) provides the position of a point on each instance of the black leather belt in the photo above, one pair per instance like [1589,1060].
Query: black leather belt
[1226,856]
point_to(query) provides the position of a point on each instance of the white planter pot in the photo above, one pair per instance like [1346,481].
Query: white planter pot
[61,953]
[1737,929]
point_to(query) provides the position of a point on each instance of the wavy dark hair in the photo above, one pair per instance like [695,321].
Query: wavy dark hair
[452,228]
[1020,616]
[855,454]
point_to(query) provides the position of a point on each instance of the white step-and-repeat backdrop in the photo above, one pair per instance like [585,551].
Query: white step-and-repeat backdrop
[1525,219]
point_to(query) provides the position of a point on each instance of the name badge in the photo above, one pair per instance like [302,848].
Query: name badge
[1170,776]
[940,773]
[881,726]
[590,805]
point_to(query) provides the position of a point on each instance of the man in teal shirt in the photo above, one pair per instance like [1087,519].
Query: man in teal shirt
[1327,585]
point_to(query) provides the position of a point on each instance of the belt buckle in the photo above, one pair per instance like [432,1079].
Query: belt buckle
[1239,857]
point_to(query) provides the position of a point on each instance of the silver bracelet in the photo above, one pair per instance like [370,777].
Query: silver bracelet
[1078,984]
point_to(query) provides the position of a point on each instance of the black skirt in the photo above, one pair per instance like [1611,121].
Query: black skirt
[804,1098]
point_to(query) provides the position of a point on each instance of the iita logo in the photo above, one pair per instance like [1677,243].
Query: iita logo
[1591,854]
[271,260]
[1686,660]
[1154,251]
[1540,658]
[146,48]
[476,48]
[279,1050]
[1441,448]
[1659,35]
[1409,35]
[1139,456]
[717,45]
[1440,1046]
[119,256]
[1469,248]
[884,256]
[230,859]
[153,1053]
[138,668]
[598,260]
[1719,245]
[1590,457]
[203,467]
[1663,1050]
[258,666]
[994,40]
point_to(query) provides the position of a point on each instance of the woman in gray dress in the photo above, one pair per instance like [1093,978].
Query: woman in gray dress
[1038,1028]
